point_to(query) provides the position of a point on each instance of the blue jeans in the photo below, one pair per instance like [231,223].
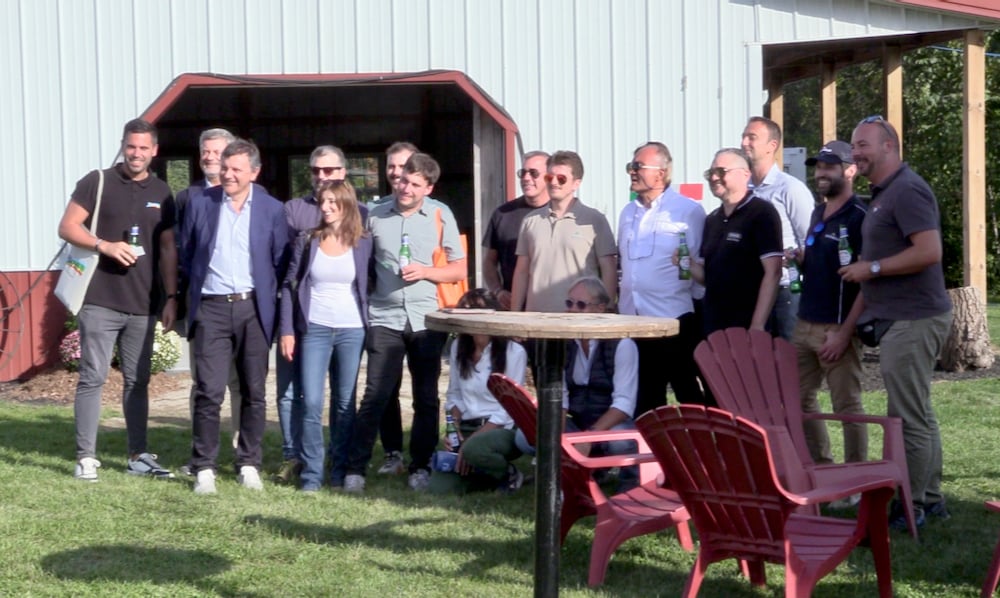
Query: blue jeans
[289,409]
[337,351]
[784,314]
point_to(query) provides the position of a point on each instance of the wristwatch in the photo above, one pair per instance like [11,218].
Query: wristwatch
[875,268]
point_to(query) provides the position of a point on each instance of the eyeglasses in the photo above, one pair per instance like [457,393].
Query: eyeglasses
[631,167]
[327,170]
[811,239]
[580,305]
[532,172]
[560,178]
[875,118]
[718,172]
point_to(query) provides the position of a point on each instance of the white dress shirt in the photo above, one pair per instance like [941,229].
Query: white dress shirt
[470,394]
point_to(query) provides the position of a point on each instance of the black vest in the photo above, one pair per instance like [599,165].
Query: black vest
[588,403]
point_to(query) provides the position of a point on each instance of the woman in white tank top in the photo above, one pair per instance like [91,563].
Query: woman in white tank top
[324,316]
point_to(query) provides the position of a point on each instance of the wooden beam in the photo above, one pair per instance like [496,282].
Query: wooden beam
[828,93]
[892,70]
[776,112]
[974,162]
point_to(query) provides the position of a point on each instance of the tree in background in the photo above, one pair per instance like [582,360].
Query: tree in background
[932,134]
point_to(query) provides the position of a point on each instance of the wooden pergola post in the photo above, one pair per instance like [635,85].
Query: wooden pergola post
[974,162]
[828,102]
[892,69]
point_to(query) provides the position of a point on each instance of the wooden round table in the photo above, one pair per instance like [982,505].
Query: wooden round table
[551,330]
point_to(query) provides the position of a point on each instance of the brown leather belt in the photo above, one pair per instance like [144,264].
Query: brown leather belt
[244,296]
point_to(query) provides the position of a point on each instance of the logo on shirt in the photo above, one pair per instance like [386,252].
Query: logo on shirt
[153,204]
[734,237]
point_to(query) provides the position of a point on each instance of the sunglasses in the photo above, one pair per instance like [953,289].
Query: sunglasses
[559,178]
[327,170]
[580,305]
[718,172]
[532,172]
[811,239]
[631,167]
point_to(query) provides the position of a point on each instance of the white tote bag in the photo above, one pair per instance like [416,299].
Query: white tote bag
[80,263]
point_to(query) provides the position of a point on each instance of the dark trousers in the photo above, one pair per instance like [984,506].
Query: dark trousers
[670,360]
[391,427]
[222,331]
[386,348]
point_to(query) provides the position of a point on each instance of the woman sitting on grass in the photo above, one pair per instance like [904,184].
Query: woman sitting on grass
[485,430]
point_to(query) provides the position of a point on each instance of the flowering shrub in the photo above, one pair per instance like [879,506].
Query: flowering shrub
[166,350]
[69,350]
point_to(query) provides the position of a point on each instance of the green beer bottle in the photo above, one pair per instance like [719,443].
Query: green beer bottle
[683,259]
[844,252]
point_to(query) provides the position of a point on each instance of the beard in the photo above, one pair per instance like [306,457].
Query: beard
[833,187]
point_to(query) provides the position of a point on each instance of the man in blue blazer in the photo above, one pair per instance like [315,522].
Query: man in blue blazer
[234,242]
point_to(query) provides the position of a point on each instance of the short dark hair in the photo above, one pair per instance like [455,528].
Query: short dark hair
[772,127]
[567,158]
[424,165]
[243,146]
[401,146]
[138,126]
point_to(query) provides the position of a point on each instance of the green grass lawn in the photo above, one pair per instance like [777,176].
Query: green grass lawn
[129,536]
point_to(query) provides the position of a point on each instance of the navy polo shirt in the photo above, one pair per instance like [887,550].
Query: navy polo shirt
[826,297]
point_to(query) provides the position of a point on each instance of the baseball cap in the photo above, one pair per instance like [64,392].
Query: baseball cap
[834,152]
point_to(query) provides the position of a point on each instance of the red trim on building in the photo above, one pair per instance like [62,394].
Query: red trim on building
[988,9]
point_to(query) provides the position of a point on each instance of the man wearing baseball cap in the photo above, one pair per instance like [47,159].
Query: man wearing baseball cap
[829,306]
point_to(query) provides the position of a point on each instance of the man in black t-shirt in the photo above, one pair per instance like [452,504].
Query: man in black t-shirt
[740,262]
[500,240]
[124,296]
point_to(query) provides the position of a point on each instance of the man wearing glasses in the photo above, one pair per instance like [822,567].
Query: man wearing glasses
[649,232]
[562,242]
[326,163]
[830,306]
[500,240]
[741,249]
[792,199]
[902,282]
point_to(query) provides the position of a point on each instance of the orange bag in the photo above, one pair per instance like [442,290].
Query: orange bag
[448,292]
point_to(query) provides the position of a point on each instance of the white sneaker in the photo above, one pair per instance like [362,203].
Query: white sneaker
[249,478]
[354,483]
[205,482]
[393,464]
[86,469]
[419,480]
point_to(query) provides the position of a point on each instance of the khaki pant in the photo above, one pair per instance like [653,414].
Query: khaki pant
[907,355]
[844,379]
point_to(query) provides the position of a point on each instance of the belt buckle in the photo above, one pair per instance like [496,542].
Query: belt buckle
[232,298]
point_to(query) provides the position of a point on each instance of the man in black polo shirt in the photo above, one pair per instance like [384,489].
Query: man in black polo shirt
[500,240]
[830,306]
[741,252]
[124,296]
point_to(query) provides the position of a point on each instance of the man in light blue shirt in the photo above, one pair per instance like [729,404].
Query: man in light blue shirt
[794,202]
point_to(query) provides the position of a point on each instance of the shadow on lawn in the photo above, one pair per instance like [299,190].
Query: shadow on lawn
[126,563]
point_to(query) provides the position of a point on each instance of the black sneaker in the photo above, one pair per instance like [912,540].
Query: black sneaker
[145,464]
[897,516]
[938,509]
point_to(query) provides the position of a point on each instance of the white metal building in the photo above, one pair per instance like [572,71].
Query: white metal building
[595,76]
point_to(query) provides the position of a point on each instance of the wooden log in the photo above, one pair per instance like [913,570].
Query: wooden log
[968,344]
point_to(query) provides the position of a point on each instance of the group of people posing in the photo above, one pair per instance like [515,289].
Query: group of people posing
[770,257]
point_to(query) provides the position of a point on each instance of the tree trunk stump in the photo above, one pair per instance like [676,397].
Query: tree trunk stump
[968,344]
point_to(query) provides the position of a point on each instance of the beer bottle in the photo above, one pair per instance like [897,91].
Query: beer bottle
[404,252]
[844,252]
[794,278]
[683,259]
[451,432]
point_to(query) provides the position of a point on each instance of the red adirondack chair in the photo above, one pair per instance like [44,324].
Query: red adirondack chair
[993,575]
[756,376]
[643,510]
[723,468]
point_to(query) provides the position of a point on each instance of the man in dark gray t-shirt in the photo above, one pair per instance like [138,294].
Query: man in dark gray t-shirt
[902,280]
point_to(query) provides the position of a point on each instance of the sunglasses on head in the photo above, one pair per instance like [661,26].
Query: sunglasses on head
[811,239]
[633,166]
[718,172]
[327,170]
[581,305]
[559,178]
[532,172]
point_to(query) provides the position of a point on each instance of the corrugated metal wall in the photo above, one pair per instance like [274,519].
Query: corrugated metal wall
[597,76]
